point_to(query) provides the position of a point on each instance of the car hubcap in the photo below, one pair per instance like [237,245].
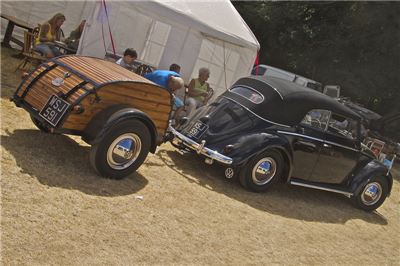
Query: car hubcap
[371,194]
[264,171]
[123,151]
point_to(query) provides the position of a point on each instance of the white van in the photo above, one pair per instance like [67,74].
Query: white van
[265,70]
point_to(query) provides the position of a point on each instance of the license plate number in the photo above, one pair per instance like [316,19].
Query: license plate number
[54,110]
[197,130]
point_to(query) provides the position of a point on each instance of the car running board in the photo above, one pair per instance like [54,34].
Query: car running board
[326,187]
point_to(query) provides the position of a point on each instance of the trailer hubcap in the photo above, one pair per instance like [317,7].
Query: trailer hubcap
[263,171]
[371,193]
[123,151]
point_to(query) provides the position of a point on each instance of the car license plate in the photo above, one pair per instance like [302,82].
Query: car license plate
[54,110]
[197,130]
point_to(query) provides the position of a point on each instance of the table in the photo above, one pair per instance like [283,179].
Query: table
[64,48]
[12,22]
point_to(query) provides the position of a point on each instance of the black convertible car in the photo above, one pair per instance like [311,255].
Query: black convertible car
[264,129]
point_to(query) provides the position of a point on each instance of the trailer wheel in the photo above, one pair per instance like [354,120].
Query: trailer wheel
[121,150]
[39,125]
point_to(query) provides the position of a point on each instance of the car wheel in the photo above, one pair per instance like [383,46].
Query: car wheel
[39,125]
[262,171]
[373,194]
[121,150]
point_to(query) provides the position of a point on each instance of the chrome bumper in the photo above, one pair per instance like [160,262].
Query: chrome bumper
[199,147]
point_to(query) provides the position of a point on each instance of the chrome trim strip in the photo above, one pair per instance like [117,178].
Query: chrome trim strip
[255,113]
[300,135]
[199,148]
[295,183]
[317,139]
[336,144]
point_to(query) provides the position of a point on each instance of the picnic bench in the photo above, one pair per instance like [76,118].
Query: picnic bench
[12,22]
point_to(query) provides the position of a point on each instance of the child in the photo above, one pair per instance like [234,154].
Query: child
[130,55]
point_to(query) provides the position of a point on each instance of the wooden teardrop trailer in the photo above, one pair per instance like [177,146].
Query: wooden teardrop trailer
[121,115]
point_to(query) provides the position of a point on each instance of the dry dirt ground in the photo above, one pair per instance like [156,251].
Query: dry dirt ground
[56,210]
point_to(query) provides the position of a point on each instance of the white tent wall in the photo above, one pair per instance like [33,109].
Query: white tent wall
[163,35]
[37,12]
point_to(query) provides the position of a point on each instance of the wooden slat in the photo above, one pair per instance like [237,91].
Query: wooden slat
[101,71]
[43,88]
[154,101]
[31,77]
[117,86]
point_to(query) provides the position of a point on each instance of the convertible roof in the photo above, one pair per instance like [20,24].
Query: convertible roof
[286,102]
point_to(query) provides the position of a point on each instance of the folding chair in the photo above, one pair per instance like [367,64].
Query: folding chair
[30,56]
[143,69]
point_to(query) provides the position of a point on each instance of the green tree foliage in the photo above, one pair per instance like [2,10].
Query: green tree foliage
[353,44]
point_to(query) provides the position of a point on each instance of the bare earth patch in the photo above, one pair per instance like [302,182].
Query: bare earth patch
[174,210]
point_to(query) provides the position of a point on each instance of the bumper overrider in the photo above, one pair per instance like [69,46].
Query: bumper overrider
[180,139]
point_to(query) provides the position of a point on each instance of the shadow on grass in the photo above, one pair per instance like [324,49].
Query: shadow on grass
[59,161]
[284,200]
[10,77]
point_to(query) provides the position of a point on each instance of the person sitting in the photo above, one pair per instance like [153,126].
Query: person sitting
[171,81]
[199,91]
[130,55]
[73,40]
[175,67]
[50,32]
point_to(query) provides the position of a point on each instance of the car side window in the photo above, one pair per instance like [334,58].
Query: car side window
[316,118]
[343,127]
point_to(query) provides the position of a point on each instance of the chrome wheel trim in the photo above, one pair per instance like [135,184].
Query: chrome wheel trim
[371,193]
[263,171]
[124,151]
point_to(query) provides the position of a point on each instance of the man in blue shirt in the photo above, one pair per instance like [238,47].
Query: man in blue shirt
[171,81]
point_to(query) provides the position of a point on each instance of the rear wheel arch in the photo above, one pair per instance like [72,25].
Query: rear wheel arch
[364,176]
[288,165]
[107,118]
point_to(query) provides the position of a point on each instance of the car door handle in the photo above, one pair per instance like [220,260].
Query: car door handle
[305,146]
[327,145]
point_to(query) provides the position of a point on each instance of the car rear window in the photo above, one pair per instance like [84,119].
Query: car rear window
[248,93]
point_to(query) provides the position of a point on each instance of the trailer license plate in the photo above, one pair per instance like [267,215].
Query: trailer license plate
[197,130]
[54,110]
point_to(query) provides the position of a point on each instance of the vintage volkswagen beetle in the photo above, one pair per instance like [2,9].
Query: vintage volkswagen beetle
[264,129]
[121,114]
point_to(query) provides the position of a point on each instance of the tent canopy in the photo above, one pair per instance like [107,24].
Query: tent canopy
[193,34]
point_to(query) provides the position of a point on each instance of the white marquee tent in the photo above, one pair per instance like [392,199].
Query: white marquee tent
[193,34]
